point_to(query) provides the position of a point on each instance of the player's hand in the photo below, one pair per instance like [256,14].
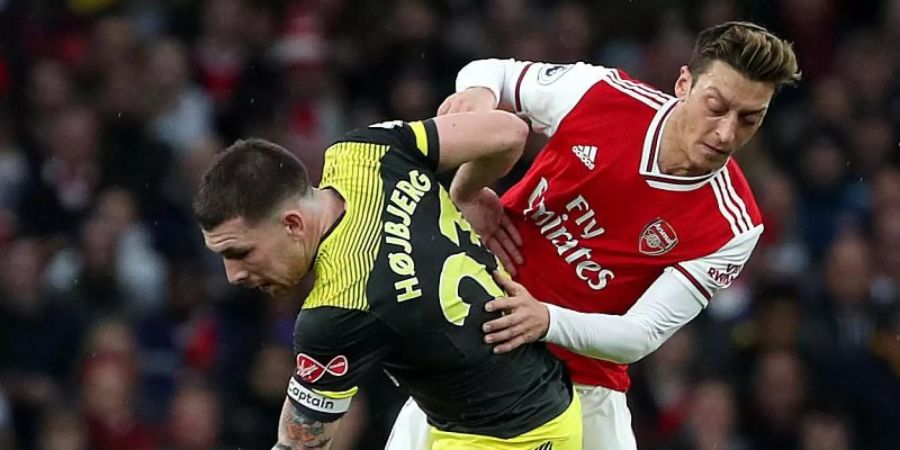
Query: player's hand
[525,319]
[488,218]
[471,99]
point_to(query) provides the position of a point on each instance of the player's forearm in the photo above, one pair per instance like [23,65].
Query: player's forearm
[480,173]
[497,75]
[661,311]
[298,432]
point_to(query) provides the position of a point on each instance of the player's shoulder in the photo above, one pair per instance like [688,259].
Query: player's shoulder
[618,85]
[726,208]
[385,133]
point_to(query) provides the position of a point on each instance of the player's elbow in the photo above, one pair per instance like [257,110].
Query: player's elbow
[638,343]
[510,134]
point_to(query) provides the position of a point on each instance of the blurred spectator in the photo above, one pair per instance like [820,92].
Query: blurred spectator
[195,419]
[181,113]
[220,52]
[826,200]
[63,429]
[259,406]
[869,384]
[825,431]
[114,269]
[38,337]
[782,251]
[812,25]
[7,438]
[107,394]
[712,420]
[182,337]
[779,393]
[666,388]
[848,296]
[13,165]
[70,174]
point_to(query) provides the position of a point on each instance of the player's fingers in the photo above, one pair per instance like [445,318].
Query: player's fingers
[510,228]
[497,249]
[508,245]
[457,106]
[513,344]
[445,106]
[509,286]
[499,304]
[499,337]
[502,323]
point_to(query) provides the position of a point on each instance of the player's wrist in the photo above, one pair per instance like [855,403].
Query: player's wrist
[485,95]
[549,331]
[461,195]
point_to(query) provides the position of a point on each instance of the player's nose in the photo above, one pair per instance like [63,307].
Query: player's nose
[235,273]
[726,130]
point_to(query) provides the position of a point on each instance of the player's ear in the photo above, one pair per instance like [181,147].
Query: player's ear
[683,83]
[294,223]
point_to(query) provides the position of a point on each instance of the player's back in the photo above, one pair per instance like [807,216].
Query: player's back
[402,280]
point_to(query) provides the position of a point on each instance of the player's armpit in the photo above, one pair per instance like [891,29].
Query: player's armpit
[298,431]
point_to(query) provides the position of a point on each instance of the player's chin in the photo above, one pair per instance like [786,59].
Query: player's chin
[709,160]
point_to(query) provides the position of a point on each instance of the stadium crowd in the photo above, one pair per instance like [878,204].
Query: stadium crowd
[119,331]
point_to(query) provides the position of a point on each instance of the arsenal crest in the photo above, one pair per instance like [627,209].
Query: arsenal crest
[657,238]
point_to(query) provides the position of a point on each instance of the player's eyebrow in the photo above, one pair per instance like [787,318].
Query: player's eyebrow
[234,252]
[718,94]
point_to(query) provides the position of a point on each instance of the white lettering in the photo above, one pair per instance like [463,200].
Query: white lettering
[315,401]
[554,227]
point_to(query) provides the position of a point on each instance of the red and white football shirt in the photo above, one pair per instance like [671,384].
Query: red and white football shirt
[599,219]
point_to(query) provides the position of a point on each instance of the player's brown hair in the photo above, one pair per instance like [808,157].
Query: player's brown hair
[248,180]
[750,49]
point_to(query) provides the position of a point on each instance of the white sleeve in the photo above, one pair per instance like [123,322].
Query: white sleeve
[673,300]
[663,309]
[542,92]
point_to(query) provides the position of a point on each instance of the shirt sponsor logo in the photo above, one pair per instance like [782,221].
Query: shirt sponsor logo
[310,370]
[567,230]
[724,277]
[657,238]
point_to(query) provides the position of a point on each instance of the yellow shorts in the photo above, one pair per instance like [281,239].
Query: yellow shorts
[561,433]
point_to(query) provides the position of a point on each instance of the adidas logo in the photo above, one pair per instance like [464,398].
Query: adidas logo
[586,153]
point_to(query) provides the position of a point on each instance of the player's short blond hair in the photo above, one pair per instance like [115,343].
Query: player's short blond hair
[750,49]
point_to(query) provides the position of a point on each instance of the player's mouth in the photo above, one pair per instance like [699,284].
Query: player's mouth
[718,150]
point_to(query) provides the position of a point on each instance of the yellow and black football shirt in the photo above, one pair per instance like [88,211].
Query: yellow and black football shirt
[400,283]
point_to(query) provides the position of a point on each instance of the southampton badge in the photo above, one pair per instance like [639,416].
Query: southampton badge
[657,238]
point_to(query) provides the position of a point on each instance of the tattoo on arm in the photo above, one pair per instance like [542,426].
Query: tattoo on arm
[298,432]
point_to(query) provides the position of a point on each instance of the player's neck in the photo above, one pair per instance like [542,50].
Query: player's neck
[673,149]
[331,206]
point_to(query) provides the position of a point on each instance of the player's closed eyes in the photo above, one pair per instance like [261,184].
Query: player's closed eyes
[751,120]
[235,255]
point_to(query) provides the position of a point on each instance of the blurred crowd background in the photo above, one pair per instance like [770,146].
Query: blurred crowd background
[118,331]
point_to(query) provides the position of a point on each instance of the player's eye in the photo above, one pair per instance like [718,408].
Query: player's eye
[751,120]
[235,254]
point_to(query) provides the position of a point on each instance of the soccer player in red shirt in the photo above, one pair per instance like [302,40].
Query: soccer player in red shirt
[632,216]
